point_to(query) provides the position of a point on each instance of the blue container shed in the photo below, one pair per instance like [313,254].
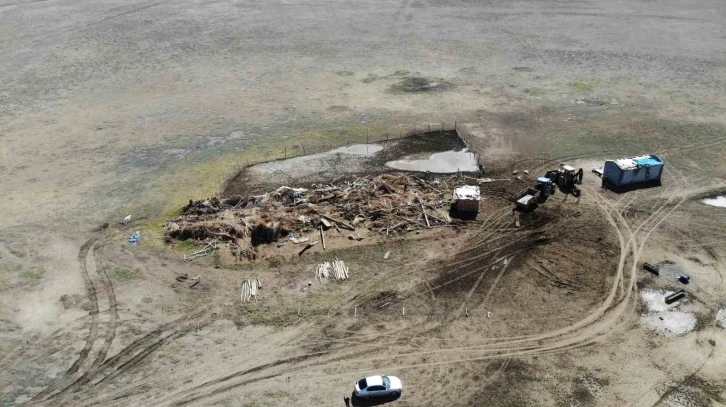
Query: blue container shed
[634,171]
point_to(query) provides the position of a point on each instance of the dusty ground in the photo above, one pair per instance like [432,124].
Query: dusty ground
[114,108]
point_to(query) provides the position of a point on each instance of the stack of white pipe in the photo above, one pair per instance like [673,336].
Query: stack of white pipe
[336,268]
[250,289]
[322,271]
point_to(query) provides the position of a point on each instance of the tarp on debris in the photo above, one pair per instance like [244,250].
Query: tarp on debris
[647,161]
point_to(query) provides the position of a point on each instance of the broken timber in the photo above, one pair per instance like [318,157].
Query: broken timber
[307,247]
[338,222]
[322,237]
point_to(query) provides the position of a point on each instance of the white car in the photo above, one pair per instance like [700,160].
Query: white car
[378,386]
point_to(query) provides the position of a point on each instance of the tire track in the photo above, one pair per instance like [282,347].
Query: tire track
[92,330]
[602,320]
[110,329]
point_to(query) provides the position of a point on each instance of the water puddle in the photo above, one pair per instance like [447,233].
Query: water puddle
[442,163]
[721,318]
[662,318]
[359,149]
[719,201]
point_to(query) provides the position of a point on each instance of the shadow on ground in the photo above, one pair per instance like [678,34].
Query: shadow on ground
[376,401]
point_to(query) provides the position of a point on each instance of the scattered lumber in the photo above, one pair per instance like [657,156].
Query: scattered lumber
[207,250]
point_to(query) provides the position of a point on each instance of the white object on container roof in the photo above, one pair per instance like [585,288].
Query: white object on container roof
[567,167]
[631,163]
[626,163]
[470,192]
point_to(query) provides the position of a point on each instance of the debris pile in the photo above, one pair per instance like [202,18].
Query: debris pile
[386,204]
[336,268]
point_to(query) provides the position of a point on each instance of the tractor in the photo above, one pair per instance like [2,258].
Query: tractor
[567,179]
[530,198]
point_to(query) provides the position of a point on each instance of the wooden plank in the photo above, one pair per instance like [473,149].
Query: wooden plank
[308,247]
[322,237]
[339,222]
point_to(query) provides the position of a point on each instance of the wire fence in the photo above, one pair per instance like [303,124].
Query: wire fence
[304,148]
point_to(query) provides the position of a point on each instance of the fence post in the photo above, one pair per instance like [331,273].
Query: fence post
[303,147]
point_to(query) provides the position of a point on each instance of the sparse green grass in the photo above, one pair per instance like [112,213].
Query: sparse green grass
[338,108]
[280,394]
[32,274]
[583,86]
[536,92]
[123,274]
[185,246]
[263,316]
[20,276]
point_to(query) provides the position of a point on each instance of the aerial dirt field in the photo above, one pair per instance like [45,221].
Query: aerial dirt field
[109,109]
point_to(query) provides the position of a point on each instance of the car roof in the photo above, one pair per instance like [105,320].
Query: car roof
[374,381]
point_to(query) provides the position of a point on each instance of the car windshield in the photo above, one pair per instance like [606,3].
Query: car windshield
[362,384]
[386,382]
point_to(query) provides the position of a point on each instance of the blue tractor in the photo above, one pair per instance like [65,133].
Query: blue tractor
[530,198]
[546,188]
